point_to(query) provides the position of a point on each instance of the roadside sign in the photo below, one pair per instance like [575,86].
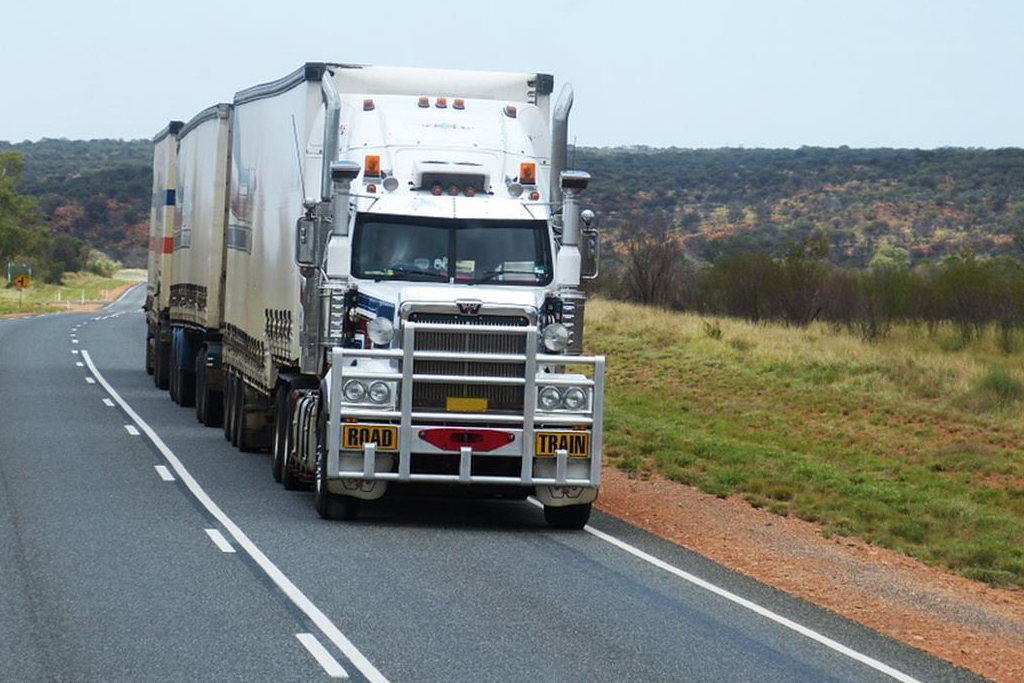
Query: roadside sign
[21,281]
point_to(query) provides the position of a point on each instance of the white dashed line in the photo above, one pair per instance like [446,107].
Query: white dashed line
[320,654]
[748,604]
[290,590]
[79,364]
[220,541]
[90,380]
[164,473]
[74,341]
[131,430]
[75,351]
[108,403]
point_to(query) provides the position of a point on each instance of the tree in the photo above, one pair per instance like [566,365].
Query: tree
[22,235]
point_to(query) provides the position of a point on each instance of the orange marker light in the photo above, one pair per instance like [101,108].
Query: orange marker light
[459,104]
[442,102]
[424,102]
[510,111]
[371,166]
[367,105]
[527,173]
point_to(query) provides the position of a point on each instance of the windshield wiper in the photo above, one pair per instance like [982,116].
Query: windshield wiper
[405,270]
[491,274]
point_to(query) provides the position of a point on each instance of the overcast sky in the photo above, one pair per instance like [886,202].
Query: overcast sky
[781,73]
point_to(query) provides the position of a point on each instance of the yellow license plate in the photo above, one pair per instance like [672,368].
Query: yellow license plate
[458,404]
[354,436]
[577,444]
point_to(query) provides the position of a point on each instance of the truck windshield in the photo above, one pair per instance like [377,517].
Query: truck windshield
[441,250]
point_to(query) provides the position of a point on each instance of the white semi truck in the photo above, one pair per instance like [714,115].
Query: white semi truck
[376,273]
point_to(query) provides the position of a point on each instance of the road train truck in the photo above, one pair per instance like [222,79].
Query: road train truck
[375,274]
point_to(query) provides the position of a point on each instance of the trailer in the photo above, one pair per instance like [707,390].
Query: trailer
[160,266]
[402,251]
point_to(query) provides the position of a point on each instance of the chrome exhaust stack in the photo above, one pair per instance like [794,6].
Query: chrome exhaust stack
[559,150]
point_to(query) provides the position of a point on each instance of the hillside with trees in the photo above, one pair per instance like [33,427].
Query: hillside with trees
[704,202]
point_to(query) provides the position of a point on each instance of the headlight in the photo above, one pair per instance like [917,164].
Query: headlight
[354,391]
[379,392]
[380,331]
[574,398]
[556,337]
[550,398]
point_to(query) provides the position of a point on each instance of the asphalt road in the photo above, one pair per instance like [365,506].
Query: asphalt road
[108,571]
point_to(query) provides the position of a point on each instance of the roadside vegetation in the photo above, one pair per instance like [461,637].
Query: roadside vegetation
[74,288]
[911,440]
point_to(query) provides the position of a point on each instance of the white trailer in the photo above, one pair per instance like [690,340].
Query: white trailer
[161,237]
[402,299]
[199,259]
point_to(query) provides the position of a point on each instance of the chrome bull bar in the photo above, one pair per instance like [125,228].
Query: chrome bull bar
[410,421]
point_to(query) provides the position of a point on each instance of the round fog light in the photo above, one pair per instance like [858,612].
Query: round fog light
[379,392]
[380,331]
[354,391]
[574,398]
[549,398]
[556,337]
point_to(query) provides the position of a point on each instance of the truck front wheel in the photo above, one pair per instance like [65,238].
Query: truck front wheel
[567,517]
[329,505]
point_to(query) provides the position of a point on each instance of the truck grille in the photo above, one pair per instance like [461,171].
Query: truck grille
[434,397]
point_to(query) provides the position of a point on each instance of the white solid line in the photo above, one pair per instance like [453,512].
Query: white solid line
[90,380]
[320,654]
[752,606]
[131,430]
[164,473]
[108,403]
[220,541]
[298,598]
[79,363]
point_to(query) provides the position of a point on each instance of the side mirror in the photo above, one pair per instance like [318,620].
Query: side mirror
[305,242]
[590,246]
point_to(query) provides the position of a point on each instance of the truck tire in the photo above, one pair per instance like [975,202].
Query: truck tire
[209,404]
[174,374]
[149,355]
[570,517]
[229,405]
[237,408]
[281,426]
[329,505]
[246,439]
[162,363]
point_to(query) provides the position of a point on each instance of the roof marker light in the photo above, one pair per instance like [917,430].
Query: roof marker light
[459,104]
[371,188]
[424,102]
[470,191]
[528,173]
[436,190]
[371,166]
[534,196]
[367,105]
[510,111]
[442,103]
[453,190]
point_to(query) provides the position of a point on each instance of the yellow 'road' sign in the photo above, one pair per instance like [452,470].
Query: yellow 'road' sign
[21,281]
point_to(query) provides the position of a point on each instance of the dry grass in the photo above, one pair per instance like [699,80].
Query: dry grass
[897,441]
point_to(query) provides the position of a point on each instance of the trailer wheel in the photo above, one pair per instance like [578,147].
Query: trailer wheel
[161,363]
[281,425]
[174,375]
[199,398]
[209,404]
[229,403]
[329,505]
[247,442]
[570,517]
[237,409]
[149,354]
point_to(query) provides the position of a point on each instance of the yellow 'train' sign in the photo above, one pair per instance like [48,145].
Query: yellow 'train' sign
[21,281]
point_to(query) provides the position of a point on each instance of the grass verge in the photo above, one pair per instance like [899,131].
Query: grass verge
[900,442]
[42,297]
